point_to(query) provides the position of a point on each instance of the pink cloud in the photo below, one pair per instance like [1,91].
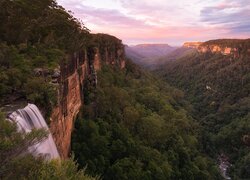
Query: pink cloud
[155,21]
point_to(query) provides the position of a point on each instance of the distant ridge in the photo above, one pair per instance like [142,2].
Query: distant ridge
[146,54]
[153,44]
[192,44]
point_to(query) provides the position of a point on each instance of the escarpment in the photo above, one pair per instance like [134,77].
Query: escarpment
[232,47]
[192,44]
[75,70]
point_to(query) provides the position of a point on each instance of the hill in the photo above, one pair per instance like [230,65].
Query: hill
[174,55]
[135,126]
[147,54]
[217,84]
[131,125]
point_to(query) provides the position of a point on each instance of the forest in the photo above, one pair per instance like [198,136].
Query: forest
[133,124]
[16,163]
[33,36]
[218,89]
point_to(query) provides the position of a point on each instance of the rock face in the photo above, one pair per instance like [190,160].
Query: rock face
[219,49]
[233,47]
[192,44]
[75,69]
[69,104]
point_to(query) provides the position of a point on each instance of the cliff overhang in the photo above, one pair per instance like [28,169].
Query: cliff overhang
[75,69]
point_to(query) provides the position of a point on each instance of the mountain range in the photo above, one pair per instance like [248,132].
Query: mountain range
[188,119]
[153,55]
[147,54]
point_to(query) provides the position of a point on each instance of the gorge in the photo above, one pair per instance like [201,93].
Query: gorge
[80,105]
[215,81]
[81,67]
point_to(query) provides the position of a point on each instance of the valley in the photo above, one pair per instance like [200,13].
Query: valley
[148,55]
[76,104]
[217,87]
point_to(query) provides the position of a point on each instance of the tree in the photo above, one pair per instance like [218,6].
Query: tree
[17,163]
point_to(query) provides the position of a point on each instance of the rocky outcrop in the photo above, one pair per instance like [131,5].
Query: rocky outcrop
[76,69]
[192,44]
[69,104]
[232,47]
[219,49]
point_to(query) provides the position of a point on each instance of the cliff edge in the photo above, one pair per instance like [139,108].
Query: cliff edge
[75,70]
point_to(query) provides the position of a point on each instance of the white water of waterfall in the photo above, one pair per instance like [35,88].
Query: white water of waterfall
[29,118]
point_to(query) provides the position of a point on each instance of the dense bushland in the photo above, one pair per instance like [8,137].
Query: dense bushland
[17,163]
[34,39]
[134,126]
[218,87]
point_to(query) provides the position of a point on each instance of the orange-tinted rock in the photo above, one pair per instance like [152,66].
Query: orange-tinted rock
[233,47]
[79,67]
[227,51]
[97,60]
[192,44]
[123,64]
[70,102]
[216,49]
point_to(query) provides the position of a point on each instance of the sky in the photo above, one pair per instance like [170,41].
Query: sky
[164,21]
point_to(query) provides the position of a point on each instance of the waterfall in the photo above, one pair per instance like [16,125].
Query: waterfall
[224,165]
[29,118]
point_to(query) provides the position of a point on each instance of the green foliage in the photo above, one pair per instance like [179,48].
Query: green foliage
[17,163]
[241,168]
[13,145]
[241,44]
[18,66]
[40,22]
[66,169]
[132,128]
[34,39]
[218,87]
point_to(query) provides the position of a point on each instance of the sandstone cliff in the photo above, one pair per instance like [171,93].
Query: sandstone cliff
[192,44]
[214,48]
[75,69]
[233,47]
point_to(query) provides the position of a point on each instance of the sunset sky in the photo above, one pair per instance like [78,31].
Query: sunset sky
[164,21]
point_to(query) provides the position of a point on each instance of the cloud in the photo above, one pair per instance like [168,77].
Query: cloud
[241,28]
[104,17]
[232,15]
[170,13]
[160,21]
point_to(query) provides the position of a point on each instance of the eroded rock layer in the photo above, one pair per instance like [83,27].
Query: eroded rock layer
[75,69]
